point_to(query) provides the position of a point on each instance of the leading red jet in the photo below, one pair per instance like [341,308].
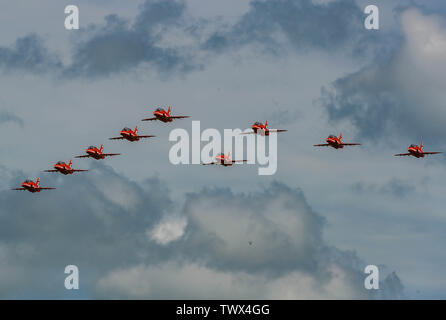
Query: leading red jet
[64,168]
[416,151]
[335,142]
[164,116]
[130,135]
[259,127]
[32,186]
[94,152]
[224,160]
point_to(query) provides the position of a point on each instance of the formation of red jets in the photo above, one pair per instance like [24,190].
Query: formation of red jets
[98,153]
[413,150]
[221,159]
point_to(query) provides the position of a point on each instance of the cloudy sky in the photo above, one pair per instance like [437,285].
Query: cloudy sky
[140,227]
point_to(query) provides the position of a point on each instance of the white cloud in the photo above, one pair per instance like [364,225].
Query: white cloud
[168,230]
[287,258]
[194,281]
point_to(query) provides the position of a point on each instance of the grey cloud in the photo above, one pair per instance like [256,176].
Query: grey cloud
[257,217]
[10,117]
[96,221]
[160,13]
[384,100]
[391,288]
[120,45]
[101,222]
[117,46]
[287,258]
[366,98]
[306,25]
[28,54]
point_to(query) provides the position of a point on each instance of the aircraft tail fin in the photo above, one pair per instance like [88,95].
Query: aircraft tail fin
[340,136]
[38,181]
[71,162]
[102,147]
[168,110]
[136,129]
[266,124]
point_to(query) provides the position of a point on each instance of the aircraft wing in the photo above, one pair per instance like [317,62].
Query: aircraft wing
[278,130]
[116,138]
[431,152]
[252,132]
[206,164]
[179,117]
[321,145]
[350,144]
[235,161]
[402,154]
[110,154]
[84,156]
[18,189]
[78,170]
[146,136]
[46,188]
[149,119]
[50,170]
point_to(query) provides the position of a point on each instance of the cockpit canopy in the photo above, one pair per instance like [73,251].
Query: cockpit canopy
[126,129]
[60,162]
[412,146]
[91,147]
[220,155]
[159,109]
[257,123]
[28,181]
[332,136]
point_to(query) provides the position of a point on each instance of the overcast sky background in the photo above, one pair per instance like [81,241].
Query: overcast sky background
[139,227]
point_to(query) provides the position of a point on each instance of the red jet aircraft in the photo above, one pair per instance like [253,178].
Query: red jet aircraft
[32,186]
[96,153]
[260,127]
[336,142]
[130,135]
[64,168]
[416,151]
[224,160]
[164,116]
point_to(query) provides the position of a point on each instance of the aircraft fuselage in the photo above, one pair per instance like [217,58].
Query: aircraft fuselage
[256,129]
[130,137]
[94,154]
[30,187]
[63,169]
[162,116]
[334,144]
[415,153]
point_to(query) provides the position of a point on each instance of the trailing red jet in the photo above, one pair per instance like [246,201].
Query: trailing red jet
[261,128]
[224,160]
[164,116]
[64,168]
[335,142]
[416,151]
[96,153]
[32,186]
[130,135]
